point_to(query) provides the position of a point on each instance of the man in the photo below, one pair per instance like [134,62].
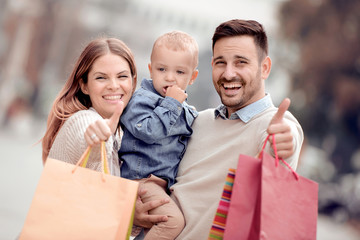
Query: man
[240,66]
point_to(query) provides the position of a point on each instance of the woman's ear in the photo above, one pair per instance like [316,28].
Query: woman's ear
[83,87]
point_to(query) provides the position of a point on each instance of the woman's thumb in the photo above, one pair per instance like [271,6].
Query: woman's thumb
[114,119]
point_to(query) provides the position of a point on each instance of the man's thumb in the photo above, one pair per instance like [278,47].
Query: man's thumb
[284,105]
[114,119]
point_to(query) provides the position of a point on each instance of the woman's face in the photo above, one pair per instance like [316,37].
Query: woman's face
[109,81]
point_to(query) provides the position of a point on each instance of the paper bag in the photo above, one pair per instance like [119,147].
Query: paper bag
[271,201]
[72,202]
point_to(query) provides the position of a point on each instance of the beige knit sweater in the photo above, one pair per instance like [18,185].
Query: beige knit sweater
[70,143]
[213,148]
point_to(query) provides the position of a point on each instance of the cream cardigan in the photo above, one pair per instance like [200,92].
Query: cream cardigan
[213,148]
[70,143]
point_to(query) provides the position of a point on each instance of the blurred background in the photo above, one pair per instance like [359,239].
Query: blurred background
[314,45]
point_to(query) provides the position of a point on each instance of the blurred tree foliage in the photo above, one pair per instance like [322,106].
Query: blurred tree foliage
[327,73]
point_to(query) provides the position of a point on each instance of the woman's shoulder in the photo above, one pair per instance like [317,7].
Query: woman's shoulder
[86,116]
[88,113]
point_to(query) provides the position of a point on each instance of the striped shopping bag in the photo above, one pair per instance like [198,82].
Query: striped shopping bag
[218,226]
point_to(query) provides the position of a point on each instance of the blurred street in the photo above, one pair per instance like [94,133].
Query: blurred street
[22,166]
[314,47]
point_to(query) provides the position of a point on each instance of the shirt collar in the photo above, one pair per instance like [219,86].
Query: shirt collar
[247,113]
[148,85]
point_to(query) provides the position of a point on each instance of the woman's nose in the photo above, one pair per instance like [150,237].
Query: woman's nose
[114,83]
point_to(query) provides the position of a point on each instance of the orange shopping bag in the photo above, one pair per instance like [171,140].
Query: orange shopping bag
[72,202]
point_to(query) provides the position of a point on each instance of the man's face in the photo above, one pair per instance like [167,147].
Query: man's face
[237,74]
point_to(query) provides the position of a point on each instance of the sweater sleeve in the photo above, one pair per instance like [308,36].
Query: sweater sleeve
[70,143]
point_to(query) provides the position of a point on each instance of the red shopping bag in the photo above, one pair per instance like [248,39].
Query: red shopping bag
[271,201]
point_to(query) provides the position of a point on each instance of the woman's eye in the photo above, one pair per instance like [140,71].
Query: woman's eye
[123,76]
[99,78]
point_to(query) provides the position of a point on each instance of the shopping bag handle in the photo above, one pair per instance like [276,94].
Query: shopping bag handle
[85,157]
[277,159]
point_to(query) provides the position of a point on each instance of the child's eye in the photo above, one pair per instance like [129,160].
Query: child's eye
[180,72]
[162,69]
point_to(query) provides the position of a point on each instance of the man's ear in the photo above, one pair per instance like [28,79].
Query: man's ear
[193,76]
[83,87]
[265,68]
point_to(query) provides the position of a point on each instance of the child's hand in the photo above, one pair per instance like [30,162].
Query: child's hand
[177,93]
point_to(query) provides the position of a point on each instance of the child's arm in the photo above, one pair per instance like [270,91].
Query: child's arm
[151,120]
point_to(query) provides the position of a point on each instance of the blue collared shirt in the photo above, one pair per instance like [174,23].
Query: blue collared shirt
[156,133]
[245,114]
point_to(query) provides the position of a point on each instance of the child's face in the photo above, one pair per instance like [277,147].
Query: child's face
[168,68]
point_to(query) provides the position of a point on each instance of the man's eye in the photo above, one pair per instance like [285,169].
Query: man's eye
[219,62]
[241,62]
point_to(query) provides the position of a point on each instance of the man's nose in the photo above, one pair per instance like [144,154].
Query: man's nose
[229,72]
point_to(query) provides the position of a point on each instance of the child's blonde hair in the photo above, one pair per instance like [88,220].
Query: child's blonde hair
[178,40]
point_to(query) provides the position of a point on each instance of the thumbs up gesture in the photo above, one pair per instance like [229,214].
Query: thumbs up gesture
[282,131]
[102,129]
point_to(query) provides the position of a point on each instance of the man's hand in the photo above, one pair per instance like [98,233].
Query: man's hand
[177,93]
[282,131]
[102,129]
[142,217]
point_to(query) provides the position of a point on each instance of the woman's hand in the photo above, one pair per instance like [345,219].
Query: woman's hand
[142,217]
[102,129]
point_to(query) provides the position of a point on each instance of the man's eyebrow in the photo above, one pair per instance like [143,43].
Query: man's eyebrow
[236,57]
[218,58]
[242,57]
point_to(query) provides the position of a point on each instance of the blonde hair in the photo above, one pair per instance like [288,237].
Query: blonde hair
[71,99]
[178,41]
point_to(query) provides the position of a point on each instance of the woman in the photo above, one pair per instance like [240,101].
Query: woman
[101,84]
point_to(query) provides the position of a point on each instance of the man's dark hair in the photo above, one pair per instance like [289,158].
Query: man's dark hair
[238,27]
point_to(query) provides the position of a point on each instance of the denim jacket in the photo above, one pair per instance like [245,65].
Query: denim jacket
[156,133]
